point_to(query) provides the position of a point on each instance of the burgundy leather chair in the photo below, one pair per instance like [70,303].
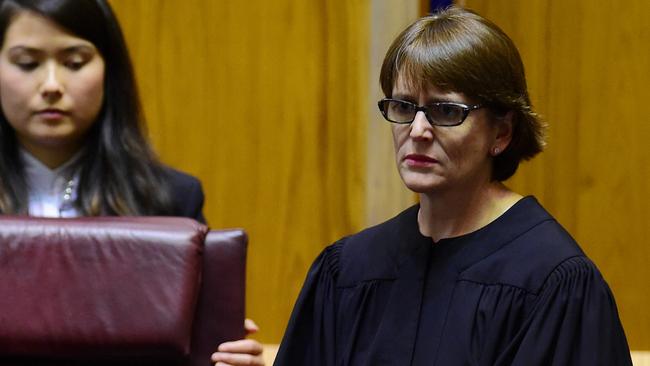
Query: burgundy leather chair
[118,290]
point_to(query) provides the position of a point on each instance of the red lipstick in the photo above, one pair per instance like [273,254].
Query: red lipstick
[419,161]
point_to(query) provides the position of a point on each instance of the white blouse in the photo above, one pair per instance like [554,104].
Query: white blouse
[51,192]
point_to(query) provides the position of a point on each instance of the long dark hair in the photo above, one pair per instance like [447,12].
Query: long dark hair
[119,173]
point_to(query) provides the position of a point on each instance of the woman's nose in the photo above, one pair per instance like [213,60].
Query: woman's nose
[420,127]
[52,86]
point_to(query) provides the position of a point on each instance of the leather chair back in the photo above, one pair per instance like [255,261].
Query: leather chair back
[118,290]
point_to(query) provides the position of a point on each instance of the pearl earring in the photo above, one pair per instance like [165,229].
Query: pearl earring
[496,151]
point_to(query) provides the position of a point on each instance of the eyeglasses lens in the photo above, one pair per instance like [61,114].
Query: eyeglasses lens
[445,114]
[398,111]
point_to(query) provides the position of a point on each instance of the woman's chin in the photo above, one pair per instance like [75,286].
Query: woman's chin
[422,183]
[424,187]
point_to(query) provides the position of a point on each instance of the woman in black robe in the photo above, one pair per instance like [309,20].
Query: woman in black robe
[475,274]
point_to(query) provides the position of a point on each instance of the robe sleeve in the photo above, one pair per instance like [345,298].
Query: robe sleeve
[310,337]
[574,322]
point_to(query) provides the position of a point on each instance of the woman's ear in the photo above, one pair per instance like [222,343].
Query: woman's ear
[504,127]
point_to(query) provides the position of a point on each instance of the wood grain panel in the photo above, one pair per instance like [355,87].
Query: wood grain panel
[588,66]
[265,101]
[386,194]
[268,103]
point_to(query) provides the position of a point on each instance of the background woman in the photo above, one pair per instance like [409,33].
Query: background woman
[475,274]
[71,127]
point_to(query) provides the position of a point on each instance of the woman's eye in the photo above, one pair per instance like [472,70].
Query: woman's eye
[448,110]
[400,107]
[74,64]
[27,65]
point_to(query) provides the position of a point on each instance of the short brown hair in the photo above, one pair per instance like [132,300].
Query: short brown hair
[458,50]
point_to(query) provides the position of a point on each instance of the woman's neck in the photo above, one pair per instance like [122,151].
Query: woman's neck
[458,212]
[51,157]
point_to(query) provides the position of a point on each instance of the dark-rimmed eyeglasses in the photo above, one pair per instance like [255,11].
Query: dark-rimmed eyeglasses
[438,114]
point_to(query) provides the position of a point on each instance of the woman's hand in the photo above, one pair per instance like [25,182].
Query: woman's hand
[244,352]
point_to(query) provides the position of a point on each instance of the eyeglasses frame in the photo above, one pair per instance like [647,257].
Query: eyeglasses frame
[466,110]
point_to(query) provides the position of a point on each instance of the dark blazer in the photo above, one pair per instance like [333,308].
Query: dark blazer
[187,195]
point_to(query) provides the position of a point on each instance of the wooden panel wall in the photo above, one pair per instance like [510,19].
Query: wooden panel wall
[588,67]
[270,103]
[385,191]
[264,101]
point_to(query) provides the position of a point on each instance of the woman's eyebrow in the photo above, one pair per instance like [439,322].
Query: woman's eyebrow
[430,99]
[403,96]
[25,49]
[80,47]
[69,49]
[85,49]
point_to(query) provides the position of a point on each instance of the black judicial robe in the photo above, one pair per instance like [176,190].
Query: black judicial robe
[517,292]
